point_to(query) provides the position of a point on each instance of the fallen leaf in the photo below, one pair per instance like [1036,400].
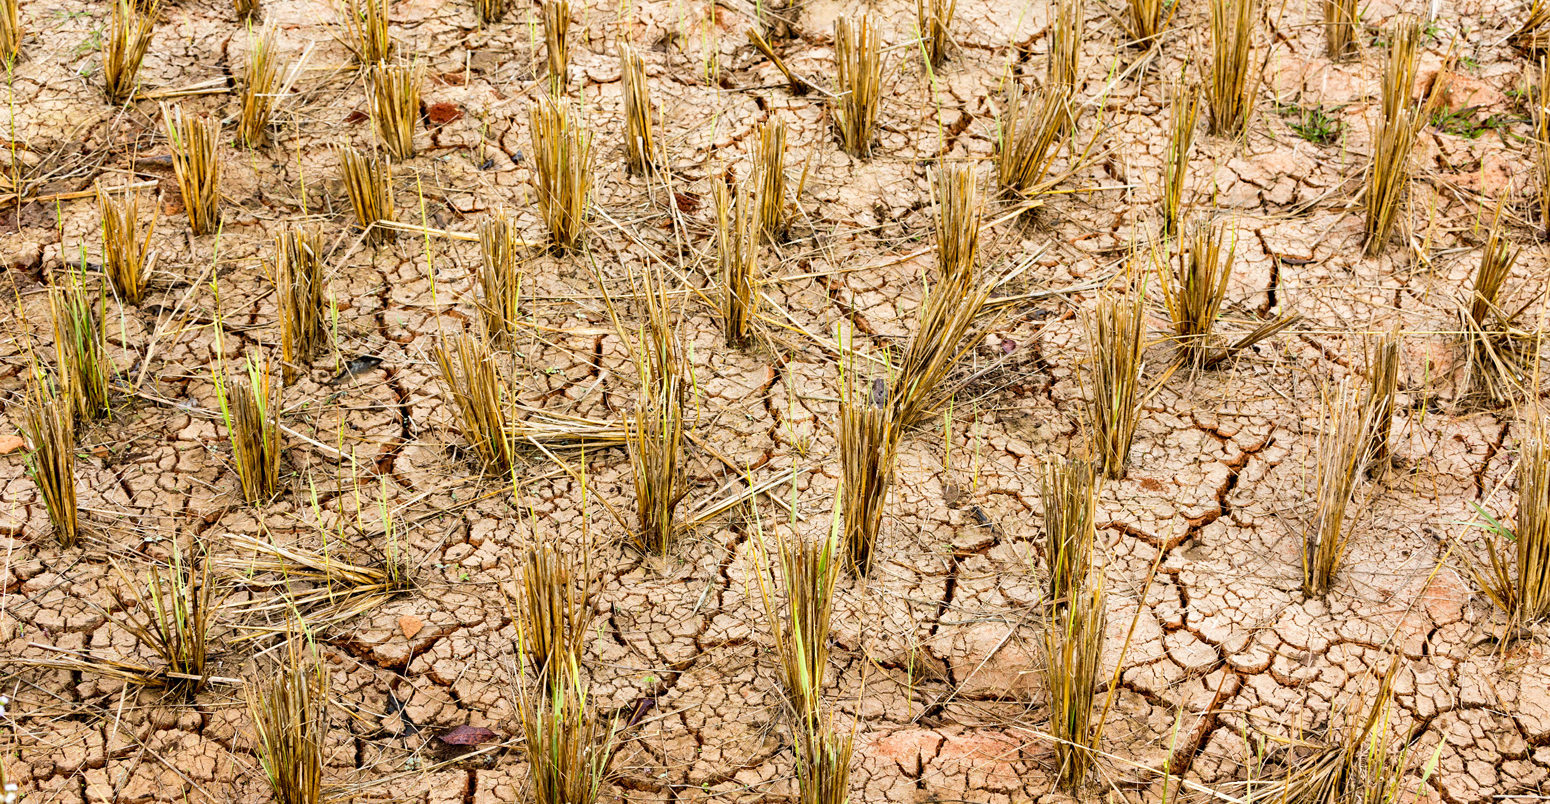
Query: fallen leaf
[356,116]
[357,365]
[1292,259]
[642,706]
[952,495]
[440,114]
[468,735]
[10,444]
[687,203]
[410,625]
[451,79]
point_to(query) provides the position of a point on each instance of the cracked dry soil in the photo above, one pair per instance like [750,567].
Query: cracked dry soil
[936,658]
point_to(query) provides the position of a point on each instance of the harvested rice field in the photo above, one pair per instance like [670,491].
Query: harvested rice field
[638,401]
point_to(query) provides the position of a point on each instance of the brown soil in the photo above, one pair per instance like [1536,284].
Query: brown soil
[937,658]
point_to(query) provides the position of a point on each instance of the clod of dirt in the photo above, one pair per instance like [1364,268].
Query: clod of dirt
[440,114]
[23,256]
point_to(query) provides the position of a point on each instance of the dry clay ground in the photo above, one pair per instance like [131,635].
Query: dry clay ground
[936,658]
